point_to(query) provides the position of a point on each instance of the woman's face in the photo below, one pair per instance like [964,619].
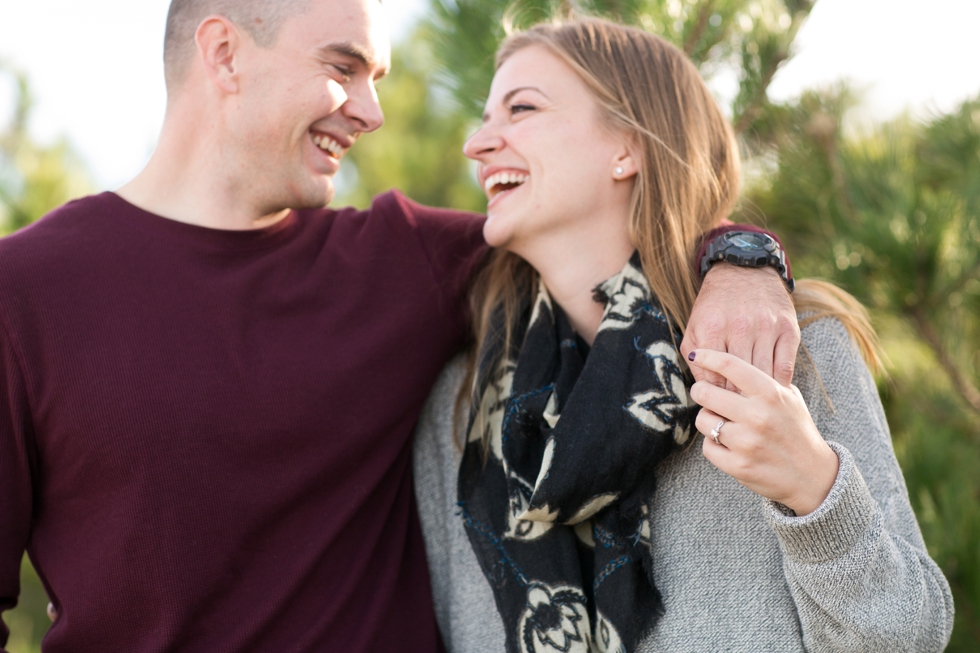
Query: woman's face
[550,168]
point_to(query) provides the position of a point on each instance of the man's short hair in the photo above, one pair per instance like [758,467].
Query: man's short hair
[261,19]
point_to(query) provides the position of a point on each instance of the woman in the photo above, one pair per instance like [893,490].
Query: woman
[586,520]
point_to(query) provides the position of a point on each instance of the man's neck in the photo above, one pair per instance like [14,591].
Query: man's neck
[185,180]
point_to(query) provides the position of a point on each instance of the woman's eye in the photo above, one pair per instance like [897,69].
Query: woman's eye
[518,108]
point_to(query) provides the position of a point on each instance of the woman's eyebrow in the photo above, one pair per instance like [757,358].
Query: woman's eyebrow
[511,93]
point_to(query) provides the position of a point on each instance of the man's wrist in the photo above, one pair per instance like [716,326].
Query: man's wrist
[743,246]
[737,271]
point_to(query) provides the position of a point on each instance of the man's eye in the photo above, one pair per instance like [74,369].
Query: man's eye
[518,108]
[345,73]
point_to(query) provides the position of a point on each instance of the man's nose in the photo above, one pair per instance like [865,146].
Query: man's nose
[363,108]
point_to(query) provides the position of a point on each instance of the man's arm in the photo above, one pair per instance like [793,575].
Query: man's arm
[747,312]
[15,478]
[454,247]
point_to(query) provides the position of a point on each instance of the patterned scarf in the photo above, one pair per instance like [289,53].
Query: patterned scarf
[556,508]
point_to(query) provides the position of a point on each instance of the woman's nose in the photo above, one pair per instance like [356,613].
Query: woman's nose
[485,141]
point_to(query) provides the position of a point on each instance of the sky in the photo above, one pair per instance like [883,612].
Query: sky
[96,72]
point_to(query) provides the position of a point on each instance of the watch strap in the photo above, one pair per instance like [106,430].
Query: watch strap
[725,228]
[778,260]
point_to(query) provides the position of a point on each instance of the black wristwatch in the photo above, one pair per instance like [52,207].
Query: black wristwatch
[747,249]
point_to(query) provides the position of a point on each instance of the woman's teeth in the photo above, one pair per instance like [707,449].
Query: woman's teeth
[502,181]
[328,144]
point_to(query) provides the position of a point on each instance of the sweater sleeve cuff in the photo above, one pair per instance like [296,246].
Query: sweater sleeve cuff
[835,526]
[724,229]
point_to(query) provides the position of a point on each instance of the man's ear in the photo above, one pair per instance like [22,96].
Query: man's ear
[218,41]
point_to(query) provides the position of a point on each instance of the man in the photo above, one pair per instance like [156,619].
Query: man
[208,382]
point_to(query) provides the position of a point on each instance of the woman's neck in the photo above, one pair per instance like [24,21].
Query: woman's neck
[571,278]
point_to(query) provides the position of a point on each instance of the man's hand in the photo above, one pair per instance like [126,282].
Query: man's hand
[747,312]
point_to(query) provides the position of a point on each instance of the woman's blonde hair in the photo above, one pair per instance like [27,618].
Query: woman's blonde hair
[688,179]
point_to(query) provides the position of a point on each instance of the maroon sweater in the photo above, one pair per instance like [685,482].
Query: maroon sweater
[205,435]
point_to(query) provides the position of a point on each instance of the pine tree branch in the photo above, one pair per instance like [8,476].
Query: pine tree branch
[799,13]
[846,204]
[704,15]
[962,280]
[928,332]
[824,129]
[971,618]
[920,320]
[614,9]
[754,106]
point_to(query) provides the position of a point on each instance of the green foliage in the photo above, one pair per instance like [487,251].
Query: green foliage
[750,38]
[29,622]
[33,179]
[939,463]
[893,215]
[941,473]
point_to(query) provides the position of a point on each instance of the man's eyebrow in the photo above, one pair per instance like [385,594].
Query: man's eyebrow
[354,51]
[511,93]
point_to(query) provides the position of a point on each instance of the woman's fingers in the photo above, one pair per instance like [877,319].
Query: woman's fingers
[712,426]
[767,442]
[693,341]
[742,375]
[725,403]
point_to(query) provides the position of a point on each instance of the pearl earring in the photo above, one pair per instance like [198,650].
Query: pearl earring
[619,170]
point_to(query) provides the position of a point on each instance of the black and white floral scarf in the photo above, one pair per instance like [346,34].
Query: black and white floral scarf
[556,506]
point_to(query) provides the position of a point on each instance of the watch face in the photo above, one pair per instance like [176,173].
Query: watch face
[749,240]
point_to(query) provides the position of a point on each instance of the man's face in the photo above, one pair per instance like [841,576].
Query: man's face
[304,102]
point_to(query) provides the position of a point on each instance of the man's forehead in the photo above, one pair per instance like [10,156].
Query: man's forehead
[357,28]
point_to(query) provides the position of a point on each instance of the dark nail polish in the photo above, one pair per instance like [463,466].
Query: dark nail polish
[690,356]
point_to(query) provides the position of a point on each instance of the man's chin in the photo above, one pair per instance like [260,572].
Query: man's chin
[314,196]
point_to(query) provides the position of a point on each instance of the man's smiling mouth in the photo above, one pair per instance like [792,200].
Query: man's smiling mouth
[329,145]
[503,181]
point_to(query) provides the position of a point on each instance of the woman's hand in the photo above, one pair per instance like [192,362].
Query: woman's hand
[768,442]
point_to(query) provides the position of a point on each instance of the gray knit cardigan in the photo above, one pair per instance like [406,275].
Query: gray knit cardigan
[737,572]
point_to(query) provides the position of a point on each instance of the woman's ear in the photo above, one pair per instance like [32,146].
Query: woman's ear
[624,165]
[218,41]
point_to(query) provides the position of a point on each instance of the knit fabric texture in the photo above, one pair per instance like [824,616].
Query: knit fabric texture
[738,572]
[192,446]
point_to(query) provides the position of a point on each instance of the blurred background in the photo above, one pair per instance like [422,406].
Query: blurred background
[859,123]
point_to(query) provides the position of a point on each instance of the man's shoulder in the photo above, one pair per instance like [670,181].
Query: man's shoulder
[394,206]
[396,222]
[64,234]
[59,226]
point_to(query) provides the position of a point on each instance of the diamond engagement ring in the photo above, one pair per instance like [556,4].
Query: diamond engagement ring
[715,432]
